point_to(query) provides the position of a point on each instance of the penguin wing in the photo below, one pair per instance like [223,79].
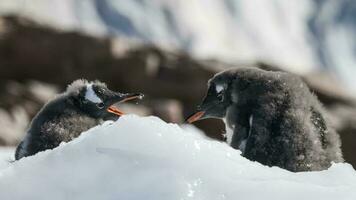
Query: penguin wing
[24,149]
[320,126]
[19,151]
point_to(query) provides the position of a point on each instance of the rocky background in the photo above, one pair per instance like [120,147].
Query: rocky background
[37,62]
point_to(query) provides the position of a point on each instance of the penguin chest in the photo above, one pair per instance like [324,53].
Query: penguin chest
[238,123]
[80,125]
[67,128]
[242,145]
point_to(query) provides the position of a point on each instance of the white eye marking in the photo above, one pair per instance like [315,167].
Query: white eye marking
[219,88]
[91,96]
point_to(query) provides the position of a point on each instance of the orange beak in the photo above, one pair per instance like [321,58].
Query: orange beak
[195,117]
[116,111]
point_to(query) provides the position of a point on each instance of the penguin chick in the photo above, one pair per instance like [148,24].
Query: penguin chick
[82,106]
[273,118]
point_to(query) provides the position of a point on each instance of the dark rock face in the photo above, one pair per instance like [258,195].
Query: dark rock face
[29,51]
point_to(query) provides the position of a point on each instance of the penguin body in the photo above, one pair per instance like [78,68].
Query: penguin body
[273,117]
[82,106]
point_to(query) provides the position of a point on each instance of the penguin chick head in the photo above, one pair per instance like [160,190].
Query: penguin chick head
[217,99]
[96,100]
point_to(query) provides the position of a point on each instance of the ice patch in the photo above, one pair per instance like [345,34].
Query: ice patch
[91,96]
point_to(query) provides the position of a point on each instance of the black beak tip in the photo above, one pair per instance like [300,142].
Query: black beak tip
[187,119]
[195,117]
[138,96]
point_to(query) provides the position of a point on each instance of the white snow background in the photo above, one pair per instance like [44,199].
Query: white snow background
[146,158]
[301,36]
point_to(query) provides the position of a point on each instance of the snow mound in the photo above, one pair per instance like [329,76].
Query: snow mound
[146,158]
[6,155]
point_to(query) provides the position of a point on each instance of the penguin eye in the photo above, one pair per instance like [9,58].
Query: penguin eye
[100,105]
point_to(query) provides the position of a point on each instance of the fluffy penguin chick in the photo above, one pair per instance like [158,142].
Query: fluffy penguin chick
[82,106]
[273,119]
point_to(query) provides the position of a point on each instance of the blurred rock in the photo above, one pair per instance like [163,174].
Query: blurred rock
[168,110]
[174,82]
[13,123]
[139,109]
[19,102]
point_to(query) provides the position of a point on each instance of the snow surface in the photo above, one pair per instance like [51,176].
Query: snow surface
[6,156]
[146,158]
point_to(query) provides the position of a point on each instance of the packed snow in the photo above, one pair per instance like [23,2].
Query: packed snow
[6,156]
[146,158]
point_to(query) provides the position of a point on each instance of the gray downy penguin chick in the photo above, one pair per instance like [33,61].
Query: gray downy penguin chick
[273,118]
[82,106]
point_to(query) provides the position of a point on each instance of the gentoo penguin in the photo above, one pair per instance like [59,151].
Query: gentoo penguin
[273,118]
[82,106]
